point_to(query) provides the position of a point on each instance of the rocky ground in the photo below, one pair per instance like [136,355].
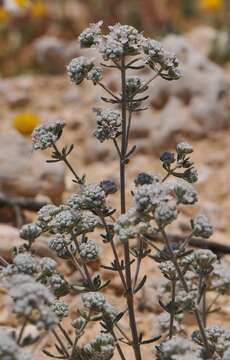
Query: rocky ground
[196,108]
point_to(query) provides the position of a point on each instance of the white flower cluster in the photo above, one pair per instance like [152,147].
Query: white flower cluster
[168,269]
[96,302]
[30,297]
[58,284]
[161,60]
[123,40]
[63,221]
[45,135]
[91,35]
[78,324]
[184,148]
[148,197]
[95,75]
[30,232]
[134,85]
[202,260]
[92,197]
[59,244]
[131,224]
[218,337]
[88,251]
[79,68]
[162,322]
[165,213]
[9,349]
[100,348]
[47,266]
[86,223]
[201,226]
[26,263]
[185,193]
[170,349]
[46,213]
[185,301]
[108,124]
[60,309]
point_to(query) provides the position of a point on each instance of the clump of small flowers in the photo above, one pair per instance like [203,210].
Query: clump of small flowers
[9,348]
[60,309]
[47,134]
[93,301]
[79,68]
[102,347]
[31,301]
[25,263]
[88,251]
[37,284]
[91,35]
[108,124]
[201,226]
[170,349]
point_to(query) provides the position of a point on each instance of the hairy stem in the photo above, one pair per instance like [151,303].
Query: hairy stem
[129,291]
[61,344]
[172,314]
[21,332]
[115,254]
[69,166]
[183,281]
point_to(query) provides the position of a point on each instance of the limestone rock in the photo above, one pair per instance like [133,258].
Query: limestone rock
[195,104]
[26,173]
[50,54]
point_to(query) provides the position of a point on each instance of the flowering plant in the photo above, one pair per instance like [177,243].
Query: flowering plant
[37,287]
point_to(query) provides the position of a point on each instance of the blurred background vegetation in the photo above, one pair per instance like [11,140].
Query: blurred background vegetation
[24,21]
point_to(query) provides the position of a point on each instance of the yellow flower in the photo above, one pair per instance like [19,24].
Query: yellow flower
[4,15]
[38,9]
[21,3]
[211,5]
[25,122]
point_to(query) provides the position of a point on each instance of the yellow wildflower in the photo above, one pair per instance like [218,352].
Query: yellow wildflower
[4,15]
[25,122]
[38,9]
[211,5]
[21,3]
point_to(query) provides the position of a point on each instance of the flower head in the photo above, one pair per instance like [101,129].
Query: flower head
[165,213]
[9,349]
[26,263]
[88,251]
[30,297]
[30,232]
[79,68]
[91,35]
[108,124]
[45,135]
[25,122]
[60,309]
[201,226]
[94,301]
[185,193]
[161,60]
[102,347]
